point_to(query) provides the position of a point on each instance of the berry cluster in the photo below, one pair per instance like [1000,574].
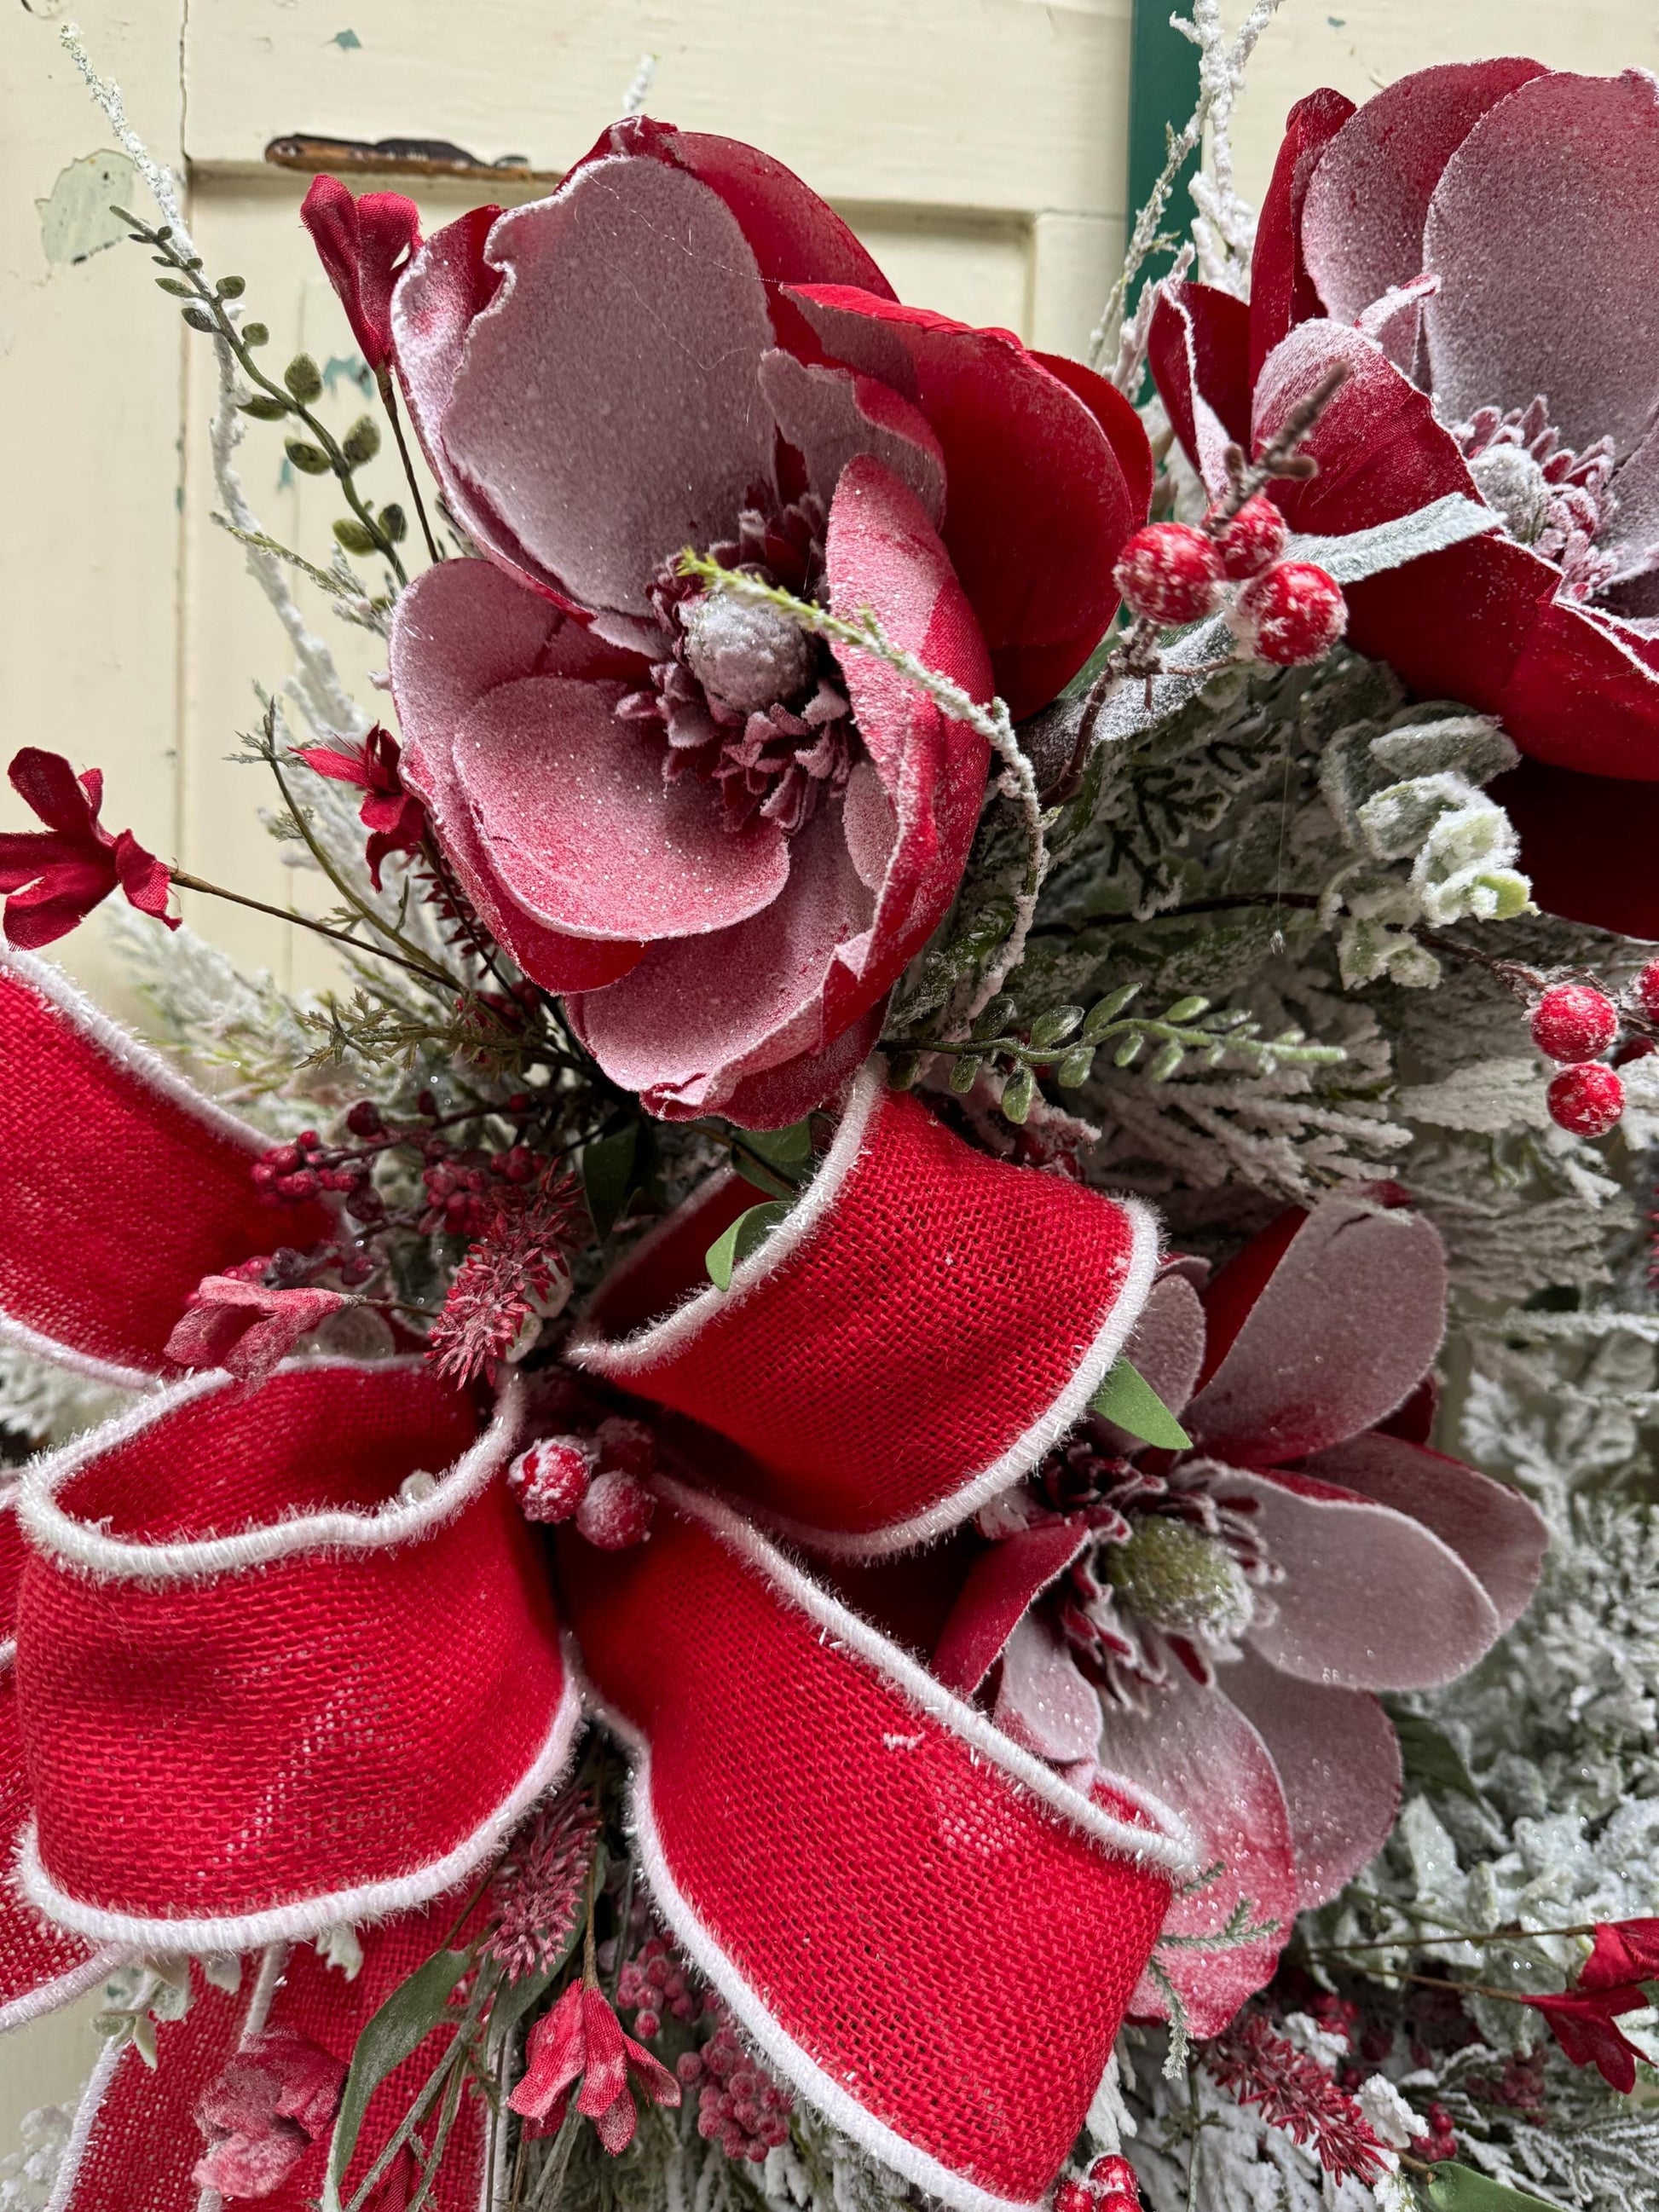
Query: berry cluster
[1284,611]
[1440,2143]
[739,2105]
[1575,1023]
[461,1182]
[1110,2186]
[654,1982]
[597,1481]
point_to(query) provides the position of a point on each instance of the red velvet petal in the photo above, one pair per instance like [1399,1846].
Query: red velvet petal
[607,405]
[1584,693]
[570,807]
[1368,198]
[1037,505]
[1499,1535]
[1282,292]
[460,630]
[1198,349]
[1167,1347]
[1339,1764]
[1197,1751]
[1589,844]
[1342,1333]
[697,1014]
[362,245]
[795,238]
[68,804]
[1371,1599]
[1566,301]
[829,414]
[775,1097]
[1120,419]
[1001,1586]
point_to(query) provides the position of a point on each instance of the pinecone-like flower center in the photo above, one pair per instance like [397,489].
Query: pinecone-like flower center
[1176,1577]
[749,658]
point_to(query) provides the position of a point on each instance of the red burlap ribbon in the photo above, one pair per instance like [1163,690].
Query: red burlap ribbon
[265,1682]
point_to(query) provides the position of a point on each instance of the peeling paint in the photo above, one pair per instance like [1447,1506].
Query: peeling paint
[75,221]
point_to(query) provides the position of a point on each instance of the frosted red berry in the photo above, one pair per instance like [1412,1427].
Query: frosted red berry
[1588,1099]
[552,1477]
[616,1513]
[1169,574]
[1574,1021]
[1114,2181]
[1072,2196]
[1251,540]
[1647,990]
[1292,613]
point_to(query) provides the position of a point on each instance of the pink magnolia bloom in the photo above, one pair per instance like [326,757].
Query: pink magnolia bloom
[581,2038]
[394,818]
[274,2099]
[56,876]
[1478,243]
[245,1328]
[364,243]
[722,839]
[1215,1623]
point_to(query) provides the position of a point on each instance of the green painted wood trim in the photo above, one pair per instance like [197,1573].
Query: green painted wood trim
[1163,94]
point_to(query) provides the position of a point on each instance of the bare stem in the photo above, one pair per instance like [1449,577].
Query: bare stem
[389,401]
[189,883]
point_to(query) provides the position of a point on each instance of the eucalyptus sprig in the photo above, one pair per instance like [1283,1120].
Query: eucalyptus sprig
[207,309]
[1064,1041]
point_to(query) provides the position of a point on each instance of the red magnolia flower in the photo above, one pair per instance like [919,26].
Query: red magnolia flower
[56,876]
[1475,244]
[269,2104]
[1216,1624]
[583,2038]
[239,1325]
[722,839]
[393,815]
[364,245]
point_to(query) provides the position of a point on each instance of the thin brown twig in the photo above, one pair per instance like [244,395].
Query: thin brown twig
[185,882]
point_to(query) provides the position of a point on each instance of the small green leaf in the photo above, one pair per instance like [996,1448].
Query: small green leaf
[903,1069]
[776,1160]
[746,1234]
[402,2023]
[1431,1759]
[255,334]
[198,318]
[231,287]
[1454,2187]
[1105,1012]
[394,522]
[1165,1062]
[1128,1401]
[361,441]
[1054,1027]
[994,1017]
[176,285]
[310,460]
[608,1176]
[1129,1051]
[350,533]
[1075,1067]
[266,407]
[1017,1094]
[1187,1009]
[964,1071]
[303,378]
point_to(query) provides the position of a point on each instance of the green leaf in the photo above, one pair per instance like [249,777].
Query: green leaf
[1105,1012]
[177,286]
[1054,1027]
[1187,1009]
[776,1160]
[310,460]
[402,2023]
[993,1018]
[394,522]
[255,334]
[1075,1067]
[608,1176]
[1017,1093]
[361,441]
[231,287]
[746,1235]
[1128,1400]
[199,320]
[1431,1759]
[350,533]
[266,407]
[1165,1062]
[1454,2187]
[303,378]
[964,1071]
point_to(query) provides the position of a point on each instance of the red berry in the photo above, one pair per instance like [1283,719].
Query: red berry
[1292,613]
[1072,2196]
[617,1511]
[552,1477]
[1252,541]
[1587,1099]
[1647,990]
[1574,1021]
[1168,574]
[645,2025]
